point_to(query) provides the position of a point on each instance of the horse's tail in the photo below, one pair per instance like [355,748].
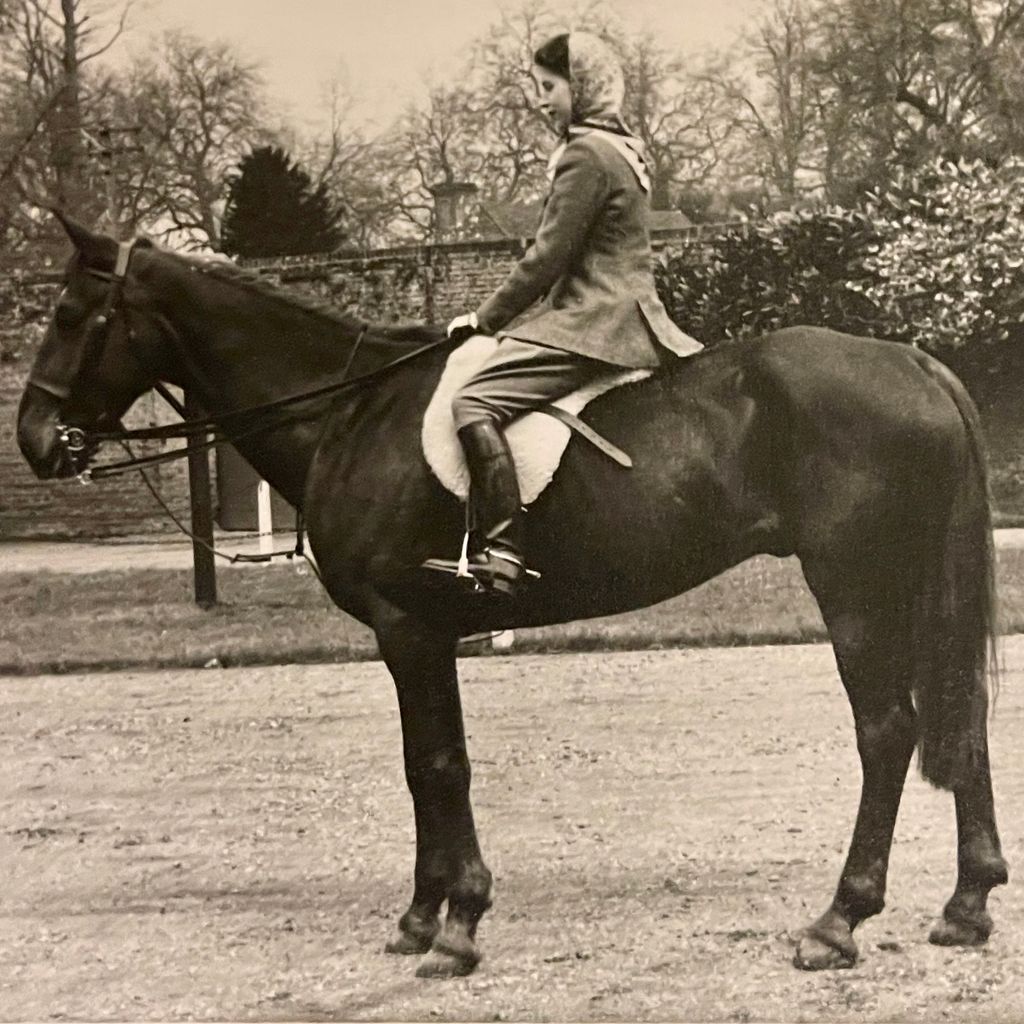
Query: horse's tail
[953,653]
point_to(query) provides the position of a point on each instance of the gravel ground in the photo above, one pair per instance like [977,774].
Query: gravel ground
[237,845]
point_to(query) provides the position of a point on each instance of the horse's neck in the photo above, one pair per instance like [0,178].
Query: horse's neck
[248,347]
[240,348]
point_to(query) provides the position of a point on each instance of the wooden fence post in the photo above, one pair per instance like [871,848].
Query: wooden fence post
[203,570]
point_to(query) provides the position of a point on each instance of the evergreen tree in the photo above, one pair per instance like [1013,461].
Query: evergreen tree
[274,210]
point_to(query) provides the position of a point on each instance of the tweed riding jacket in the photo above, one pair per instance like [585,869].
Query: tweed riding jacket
[591,264]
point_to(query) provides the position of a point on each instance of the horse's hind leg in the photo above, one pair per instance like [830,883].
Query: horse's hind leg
[872,665]
[980,865]
[448,862]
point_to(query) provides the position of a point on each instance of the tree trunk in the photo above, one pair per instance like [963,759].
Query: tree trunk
[66,123]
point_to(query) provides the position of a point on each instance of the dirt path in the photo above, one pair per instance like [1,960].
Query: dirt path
[237,845]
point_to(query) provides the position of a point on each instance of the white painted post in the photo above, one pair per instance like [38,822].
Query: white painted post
[265,518]
[504,640]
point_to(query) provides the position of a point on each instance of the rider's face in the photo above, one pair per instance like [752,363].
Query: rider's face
[554,98]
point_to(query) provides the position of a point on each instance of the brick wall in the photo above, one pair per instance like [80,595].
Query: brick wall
[121,506]
[428,283]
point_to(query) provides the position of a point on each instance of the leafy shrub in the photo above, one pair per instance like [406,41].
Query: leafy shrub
[793,268]
[936,260]
[946,269]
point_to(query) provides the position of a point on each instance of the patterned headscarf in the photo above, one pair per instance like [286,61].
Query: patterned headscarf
[597,88]
[595,80]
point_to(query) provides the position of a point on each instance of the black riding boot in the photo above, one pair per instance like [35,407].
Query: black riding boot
[496,541]
[495,560]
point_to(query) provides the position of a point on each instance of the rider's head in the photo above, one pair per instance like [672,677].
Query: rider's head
[578,78]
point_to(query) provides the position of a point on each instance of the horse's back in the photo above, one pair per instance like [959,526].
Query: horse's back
[799,385]
[845,381]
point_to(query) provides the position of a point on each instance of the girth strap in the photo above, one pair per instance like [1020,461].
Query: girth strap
[587,431]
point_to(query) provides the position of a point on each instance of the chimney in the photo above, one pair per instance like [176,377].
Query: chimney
[451,201]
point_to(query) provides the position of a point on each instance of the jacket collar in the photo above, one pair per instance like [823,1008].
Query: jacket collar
[628,146]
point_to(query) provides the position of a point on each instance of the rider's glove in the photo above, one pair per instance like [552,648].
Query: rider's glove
[463,327]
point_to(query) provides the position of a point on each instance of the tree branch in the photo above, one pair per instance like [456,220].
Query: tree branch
[122,22]
[921,105]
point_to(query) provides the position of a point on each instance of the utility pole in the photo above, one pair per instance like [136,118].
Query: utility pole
[66,119]
[103,142]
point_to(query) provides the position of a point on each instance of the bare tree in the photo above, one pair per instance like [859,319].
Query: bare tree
[44,89]
[432,144]
[482,130]
[199,108]
[512,144]
[920,78]
[485,130]
[997,37]
[775,102]
[677,114]
[355,169]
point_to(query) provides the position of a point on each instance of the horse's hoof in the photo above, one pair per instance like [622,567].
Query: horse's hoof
[444,962]
[952,932]
[404,944]
[815,954]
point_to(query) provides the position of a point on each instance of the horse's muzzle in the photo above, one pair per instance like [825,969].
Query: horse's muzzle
[39,435]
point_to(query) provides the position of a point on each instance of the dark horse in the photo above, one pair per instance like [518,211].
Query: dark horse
[860,457]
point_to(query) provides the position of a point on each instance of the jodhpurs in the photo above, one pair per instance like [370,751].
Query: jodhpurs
[520,376]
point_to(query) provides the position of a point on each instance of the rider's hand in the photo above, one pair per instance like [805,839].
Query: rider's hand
[463,327]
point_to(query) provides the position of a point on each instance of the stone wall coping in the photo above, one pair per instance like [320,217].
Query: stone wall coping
[425,252]
[420,253]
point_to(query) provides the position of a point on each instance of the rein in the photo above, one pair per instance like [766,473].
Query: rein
[230,426]
[78,439]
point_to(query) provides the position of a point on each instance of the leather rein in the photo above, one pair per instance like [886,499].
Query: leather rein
[230,426]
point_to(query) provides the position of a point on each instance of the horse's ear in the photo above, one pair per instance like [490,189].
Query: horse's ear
[96,250]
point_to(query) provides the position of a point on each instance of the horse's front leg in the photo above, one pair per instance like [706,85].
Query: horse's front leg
[448,862]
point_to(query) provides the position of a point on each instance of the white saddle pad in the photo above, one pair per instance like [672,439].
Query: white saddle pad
[537,440]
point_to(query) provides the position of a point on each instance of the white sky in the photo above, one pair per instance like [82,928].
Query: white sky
[384,49]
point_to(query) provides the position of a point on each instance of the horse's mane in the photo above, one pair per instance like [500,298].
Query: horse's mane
[230,273]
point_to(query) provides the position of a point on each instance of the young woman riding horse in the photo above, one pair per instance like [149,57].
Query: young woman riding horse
[862,458]
[592,261]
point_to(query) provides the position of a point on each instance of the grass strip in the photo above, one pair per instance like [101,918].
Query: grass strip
[146,619]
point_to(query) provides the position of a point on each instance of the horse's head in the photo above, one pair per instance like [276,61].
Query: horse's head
[99,354]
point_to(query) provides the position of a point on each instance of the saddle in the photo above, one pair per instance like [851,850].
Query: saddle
[538,440]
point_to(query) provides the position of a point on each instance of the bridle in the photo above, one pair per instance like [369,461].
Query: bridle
[231,426]
[73,438]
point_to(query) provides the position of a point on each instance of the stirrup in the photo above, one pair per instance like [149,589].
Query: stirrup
[495,570]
